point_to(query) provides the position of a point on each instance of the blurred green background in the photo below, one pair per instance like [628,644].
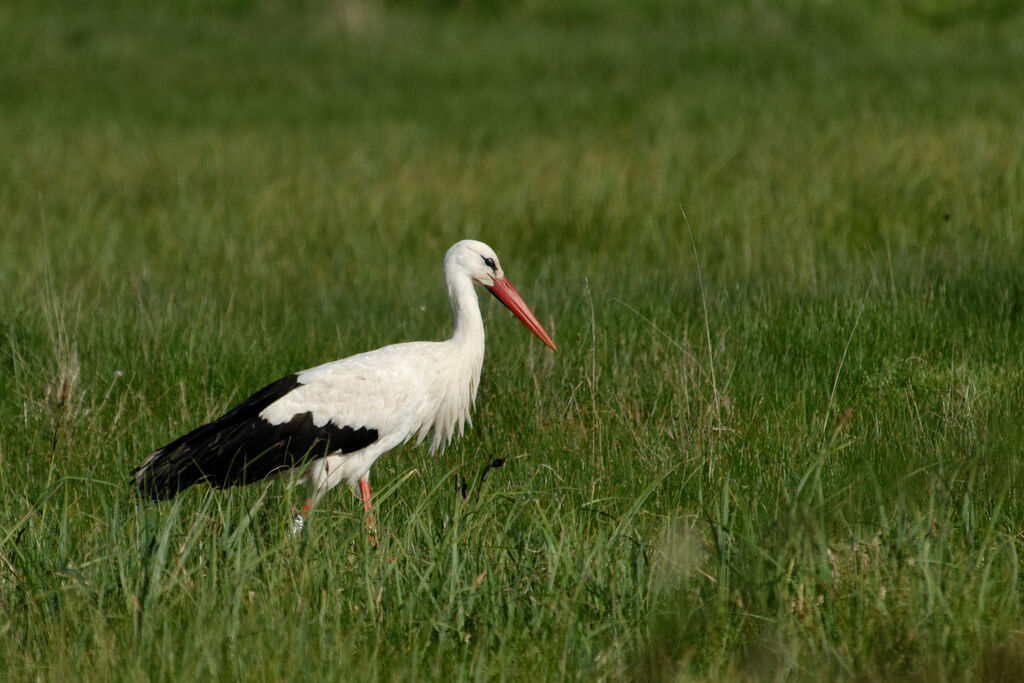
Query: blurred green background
[779,246]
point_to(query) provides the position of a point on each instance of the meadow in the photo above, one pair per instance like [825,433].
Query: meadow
[779,245]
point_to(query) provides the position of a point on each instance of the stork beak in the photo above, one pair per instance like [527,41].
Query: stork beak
[504,292]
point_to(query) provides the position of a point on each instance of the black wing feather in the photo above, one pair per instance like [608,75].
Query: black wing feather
[240,447]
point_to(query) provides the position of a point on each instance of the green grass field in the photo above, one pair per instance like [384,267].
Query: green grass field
[780,247]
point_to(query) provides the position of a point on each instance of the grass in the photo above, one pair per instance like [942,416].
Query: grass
[778,245]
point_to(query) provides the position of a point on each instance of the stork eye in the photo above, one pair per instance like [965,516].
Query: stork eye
[489,262]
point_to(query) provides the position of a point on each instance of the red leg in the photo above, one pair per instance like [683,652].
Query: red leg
[299,520]
[364,495]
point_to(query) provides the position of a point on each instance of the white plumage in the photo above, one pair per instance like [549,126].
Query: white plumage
[330,423]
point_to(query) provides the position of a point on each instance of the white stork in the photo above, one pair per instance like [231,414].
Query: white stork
[330,423]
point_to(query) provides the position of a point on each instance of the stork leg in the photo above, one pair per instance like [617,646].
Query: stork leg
[299,520]
[317,484]
[364,495]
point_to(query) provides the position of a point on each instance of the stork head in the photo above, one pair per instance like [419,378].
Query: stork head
[479,262]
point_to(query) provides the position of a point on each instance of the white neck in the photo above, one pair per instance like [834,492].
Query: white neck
[464,358]
[468,329]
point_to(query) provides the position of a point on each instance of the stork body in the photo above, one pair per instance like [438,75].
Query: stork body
[330,423]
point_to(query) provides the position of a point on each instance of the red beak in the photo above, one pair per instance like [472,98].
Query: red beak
[504,292]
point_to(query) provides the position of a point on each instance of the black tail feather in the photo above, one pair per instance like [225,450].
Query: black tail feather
[241,447]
